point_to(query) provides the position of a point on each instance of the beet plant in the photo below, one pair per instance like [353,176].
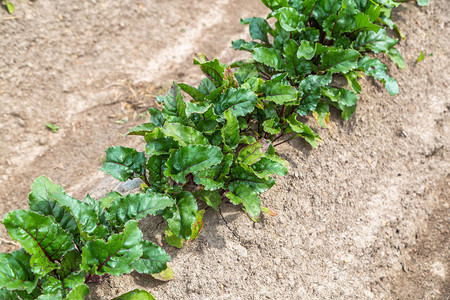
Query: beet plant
[205,145]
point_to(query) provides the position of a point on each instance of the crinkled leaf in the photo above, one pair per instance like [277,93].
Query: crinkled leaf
[192,158]
[271,126]
[267,166]
[268,56]
[40,201]
[340,61]
[241,176]
[123,163]
[15,271]
[85,216]
[289,18]
[324,8]
[137,206]
[306,50]
[278,93]
[248,197]
[185,135]
[211,198]
[275,4]
[156,117]
[258,29]
[153,260]
[376,69]
[156,166]
[41,237]
[181,216]
[303,130]
[136,295]
[173,104]
[106,201]
[6,294]
[239,101]
[70,264]
[116,255]
[230,132]
[375,41]
[161,146]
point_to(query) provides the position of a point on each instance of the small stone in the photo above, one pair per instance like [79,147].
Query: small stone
[280,276]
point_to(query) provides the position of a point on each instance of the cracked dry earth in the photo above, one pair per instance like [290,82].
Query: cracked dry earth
[365,216]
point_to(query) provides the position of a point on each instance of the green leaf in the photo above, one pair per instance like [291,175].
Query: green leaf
[185,135]
[324,8]
[396,57]
[340,61]
[289,18]
[193,92]
[50,126]
[79,292]
[422,2]
[54,286]
[267,166]
[70,264]
[211,198]
[192,158]
[303,130]
[376,69]
[9,7]
[241,176]
[213,69]
[197,108]
[364,23]
[156,117]
[156,167]
[268,56]
[181,216]
[352,80]
[124,163]
[421,56]
[230,132]
[271,126]
[173,104]
[8,295]
[41,237]
[153,260]
[306,50]
[161,146]
[87,220]
[258,29]
[275,4]
[248,197]
[343,99]
[40,201]
[15,271]
[165,275]
[142,129]
[239,101]
[198,224]
[278,93]
[172,239]
[109,199]
[137,206]
[116,255]
[136,295]
[375,41]
[322,114]
[253,152]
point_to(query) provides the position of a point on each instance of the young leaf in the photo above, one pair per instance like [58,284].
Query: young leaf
[258,29]
[253,153]
[190,159]
[230,132]
[278,93]
[340,61]
[181,216]
[123,163]
[268,56]
[422,2]
[142,129]
[376,69]
[241,176]
[153,260]
[185,135]
[156,117]
[239,101]
[9,7]
[303,131]
[173,104]
[41,237]
[116,255]
[306,50]
[375,41]
[266,166]
[136,295]
[396,57]
[15,271]
[213,69]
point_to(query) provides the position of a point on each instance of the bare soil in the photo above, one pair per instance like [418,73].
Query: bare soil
[364,216]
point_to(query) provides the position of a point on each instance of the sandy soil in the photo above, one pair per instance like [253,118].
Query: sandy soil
[365,216]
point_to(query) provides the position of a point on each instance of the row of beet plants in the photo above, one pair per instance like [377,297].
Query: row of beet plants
[218,146]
